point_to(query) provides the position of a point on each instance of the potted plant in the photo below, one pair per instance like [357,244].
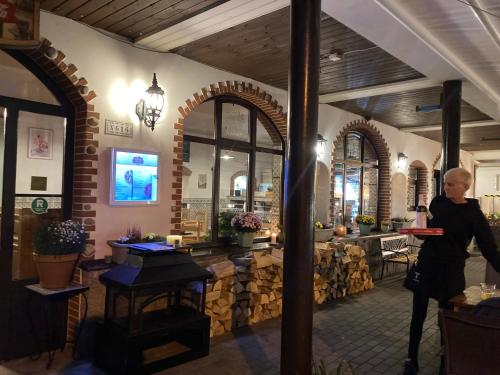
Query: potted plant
[246,225]
[322,232]
[153,237]
[119,247]
[401,222]
[365,222]
[385,226]
[57,247]
[226,232]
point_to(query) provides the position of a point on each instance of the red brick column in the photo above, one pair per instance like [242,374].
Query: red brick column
[76,91]
[384,165]
[243,90]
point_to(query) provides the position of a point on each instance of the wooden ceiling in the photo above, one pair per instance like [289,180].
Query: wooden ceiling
[132,19]
[399,109]
[259,49]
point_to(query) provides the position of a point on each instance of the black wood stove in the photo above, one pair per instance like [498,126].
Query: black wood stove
[148,324]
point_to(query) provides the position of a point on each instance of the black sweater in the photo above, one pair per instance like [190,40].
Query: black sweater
[442,258]
[460,222]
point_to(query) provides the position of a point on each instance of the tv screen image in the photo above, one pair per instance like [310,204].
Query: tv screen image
[134,177]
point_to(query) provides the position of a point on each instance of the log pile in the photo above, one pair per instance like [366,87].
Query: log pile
[258,287]
[249,289]
[330,277]
[358,272]
[220,297]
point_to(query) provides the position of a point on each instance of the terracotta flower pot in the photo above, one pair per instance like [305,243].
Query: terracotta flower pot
[55,271]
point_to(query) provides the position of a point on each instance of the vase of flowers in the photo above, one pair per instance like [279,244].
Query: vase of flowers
[57,248]
[246,225]
[365,223]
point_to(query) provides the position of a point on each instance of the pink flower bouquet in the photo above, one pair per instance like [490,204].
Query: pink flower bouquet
[246,222]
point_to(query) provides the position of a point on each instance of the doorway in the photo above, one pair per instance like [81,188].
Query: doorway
[36,161]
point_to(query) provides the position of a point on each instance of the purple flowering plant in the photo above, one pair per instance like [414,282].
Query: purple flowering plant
[246,222]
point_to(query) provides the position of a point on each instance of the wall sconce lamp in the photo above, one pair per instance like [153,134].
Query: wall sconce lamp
[402,161]
[320,146]
[149,109]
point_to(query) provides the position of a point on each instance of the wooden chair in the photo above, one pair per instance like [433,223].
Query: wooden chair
[471,343]
[396,250]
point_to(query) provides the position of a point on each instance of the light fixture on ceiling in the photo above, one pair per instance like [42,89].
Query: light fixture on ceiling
[335,56]
[227,157]
[320,146]
[402,161]
[149,109]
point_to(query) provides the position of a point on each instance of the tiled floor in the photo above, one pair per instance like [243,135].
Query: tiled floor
[370,331]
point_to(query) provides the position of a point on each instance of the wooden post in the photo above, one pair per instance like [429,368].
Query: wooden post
[450,147]
[303,87]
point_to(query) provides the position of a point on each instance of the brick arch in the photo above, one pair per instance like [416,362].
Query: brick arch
[422,178]
[384,163]
[244,90]
[75,89]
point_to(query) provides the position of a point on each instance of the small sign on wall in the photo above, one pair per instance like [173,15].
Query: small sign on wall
[39,183]
[39,205]
[123,129]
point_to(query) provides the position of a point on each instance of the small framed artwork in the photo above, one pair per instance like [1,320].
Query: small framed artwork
[19,23]
[40,143]
[202,181]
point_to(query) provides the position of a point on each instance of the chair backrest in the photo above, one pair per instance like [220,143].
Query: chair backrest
[393,243]
[471,343]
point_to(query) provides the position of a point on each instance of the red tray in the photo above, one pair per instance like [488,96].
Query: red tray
[422,231]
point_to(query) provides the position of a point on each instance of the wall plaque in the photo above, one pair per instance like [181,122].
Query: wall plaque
[39,183]
[123,129]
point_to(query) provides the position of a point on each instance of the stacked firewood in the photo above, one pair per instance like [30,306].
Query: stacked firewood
[258,287]
[330,277]
[357,269]
[220,297]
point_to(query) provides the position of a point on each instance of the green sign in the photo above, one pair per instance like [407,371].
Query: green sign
[39,206]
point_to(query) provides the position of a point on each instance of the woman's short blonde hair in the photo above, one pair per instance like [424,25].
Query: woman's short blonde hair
[462,174]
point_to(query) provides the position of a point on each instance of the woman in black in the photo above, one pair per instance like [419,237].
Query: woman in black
[441,260]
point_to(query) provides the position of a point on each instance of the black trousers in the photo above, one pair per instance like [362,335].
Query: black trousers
[419,313]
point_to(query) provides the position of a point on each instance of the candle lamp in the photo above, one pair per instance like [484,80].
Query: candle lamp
[341,230]
[273,238]
[172,238]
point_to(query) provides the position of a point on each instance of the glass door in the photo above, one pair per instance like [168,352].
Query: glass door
[33,153]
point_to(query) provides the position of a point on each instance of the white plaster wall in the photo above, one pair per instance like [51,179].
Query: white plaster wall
[118,72]
[486,180]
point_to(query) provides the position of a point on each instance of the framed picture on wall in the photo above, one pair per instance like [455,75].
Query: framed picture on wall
[202,181]
[19,23]
[40,143]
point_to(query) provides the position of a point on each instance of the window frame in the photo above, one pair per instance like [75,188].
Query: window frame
[250,147]
[358,163]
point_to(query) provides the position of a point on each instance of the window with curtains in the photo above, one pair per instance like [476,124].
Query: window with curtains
[355,179]
[233,158]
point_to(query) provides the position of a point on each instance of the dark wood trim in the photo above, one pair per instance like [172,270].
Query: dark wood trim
[8,200]
[35,107]
[296,332]
[251,160]
[195,139]
[216,175]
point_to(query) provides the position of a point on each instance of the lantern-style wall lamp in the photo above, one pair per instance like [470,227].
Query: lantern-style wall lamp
[320,146]
[149,109]
[402,161]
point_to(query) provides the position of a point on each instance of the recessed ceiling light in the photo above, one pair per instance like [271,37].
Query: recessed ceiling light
[227,157]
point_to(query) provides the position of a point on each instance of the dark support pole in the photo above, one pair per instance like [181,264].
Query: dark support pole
[450,148]
[303,83]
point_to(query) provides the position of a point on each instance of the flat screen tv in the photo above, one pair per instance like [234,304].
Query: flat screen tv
[134,177]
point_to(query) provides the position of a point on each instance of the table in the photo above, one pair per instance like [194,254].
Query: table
[469,298]
[51,298]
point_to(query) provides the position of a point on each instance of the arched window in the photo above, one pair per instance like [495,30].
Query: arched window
[355,179]
[236,156]
[417,184]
